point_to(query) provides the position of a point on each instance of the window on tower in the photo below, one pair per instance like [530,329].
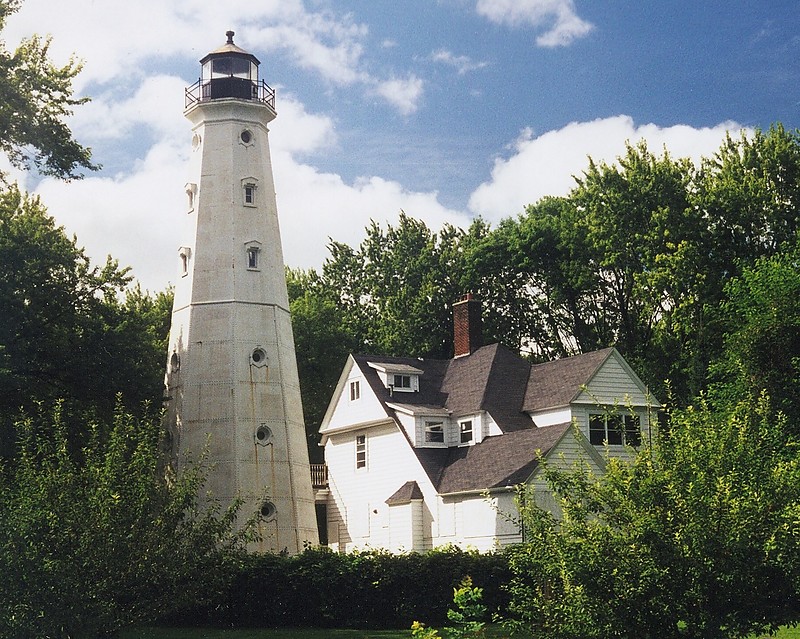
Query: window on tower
[249,191]
[252,258]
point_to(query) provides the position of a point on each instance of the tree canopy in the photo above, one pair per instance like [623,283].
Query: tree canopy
[36,97]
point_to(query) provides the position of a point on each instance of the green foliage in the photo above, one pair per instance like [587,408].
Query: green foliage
[762,339]
[467,616]
[375,589]
[64,333]
[97,539]
[696,537]
[35,98]
[322,346]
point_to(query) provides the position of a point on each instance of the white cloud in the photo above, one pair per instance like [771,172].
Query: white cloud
[329,44]
[402,93]
[558,16]
[463,64]
[545,165]
[134,217]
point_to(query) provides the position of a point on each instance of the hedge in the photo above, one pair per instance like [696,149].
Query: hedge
[368,589]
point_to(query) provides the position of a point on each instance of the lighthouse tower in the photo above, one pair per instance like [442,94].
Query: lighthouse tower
[232,381]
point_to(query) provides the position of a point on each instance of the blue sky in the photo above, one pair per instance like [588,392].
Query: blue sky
[445,109]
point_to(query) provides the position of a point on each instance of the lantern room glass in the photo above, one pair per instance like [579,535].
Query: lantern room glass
[230,67]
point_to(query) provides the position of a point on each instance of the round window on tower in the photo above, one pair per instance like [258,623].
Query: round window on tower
[196,139]
[246,137]
[174,363]
[263,435]
[268,511]
[258,357]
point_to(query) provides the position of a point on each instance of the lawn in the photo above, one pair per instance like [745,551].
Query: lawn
[189,633]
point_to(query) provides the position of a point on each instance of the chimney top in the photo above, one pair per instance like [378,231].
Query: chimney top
[467,331]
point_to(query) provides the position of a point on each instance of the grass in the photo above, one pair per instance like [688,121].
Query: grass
[291,633]
[205,633]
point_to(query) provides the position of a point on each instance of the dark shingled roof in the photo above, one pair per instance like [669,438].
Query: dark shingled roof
[497,462]
[508,387]
[406,493]
[557,383]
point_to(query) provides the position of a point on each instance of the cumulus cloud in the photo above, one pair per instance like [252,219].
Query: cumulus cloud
[324,42]
[558,17]
[546,164]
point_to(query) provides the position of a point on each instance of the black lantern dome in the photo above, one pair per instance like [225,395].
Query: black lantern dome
[230,72]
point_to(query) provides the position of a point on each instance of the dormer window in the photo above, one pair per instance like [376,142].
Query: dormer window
[402,378]
[434,433]
[465,429]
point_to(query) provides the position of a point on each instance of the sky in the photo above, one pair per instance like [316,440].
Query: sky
[446,110]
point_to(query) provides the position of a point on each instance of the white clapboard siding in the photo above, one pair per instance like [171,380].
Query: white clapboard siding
[615,384]
[360,494]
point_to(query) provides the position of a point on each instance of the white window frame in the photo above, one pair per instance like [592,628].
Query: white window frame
[461,431]
[405,385]
[361,452]
[434,428]
[355,390]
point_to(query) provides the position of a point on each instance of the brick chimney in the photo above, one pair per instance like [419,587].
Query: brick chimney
[467,333]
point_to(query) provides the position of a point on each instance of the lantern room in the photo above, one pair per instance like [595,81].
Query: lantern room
[230,72]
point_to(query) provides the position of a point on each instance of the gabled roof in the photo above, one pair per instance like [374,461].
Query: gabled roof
[491,379]
[497,462]
[559,382]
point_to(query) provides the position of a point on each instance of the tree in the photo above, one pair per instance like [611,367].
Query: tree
[35,98]
[397,289]
[322,345]
[64,333]
[695,538]
[761,316]
[98,539]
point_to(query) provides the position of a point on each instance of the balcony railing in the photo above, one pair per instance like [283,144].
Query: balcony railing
[319,475]
[241,88]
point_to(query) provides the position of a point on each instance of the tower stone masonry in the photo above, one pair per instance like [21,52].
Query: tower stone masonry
[232,381]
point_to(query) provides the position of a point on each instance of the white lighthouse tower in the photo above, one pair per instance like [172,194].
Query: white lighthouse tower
[232,374]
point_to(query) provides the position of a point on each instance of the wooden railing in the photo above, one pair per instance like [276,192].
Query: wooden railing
[319,475]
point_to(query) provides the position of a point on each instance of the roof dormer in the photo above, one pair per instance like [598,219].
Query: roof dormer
[400,378]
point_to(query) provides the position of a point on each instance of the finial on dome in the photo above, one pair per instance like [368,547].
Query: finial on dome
[230,36]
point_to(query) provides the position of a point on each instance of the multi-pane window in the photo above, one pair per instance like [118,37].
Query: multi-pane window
[361,451]
[250,194]
[355,390]
[615,429]
[402,381]
[466,431]
[434,432]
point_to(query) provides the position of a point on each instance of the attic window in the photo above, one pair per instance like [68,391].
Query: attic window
[614,429]
[402,382]
[355,390]
[434,433]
